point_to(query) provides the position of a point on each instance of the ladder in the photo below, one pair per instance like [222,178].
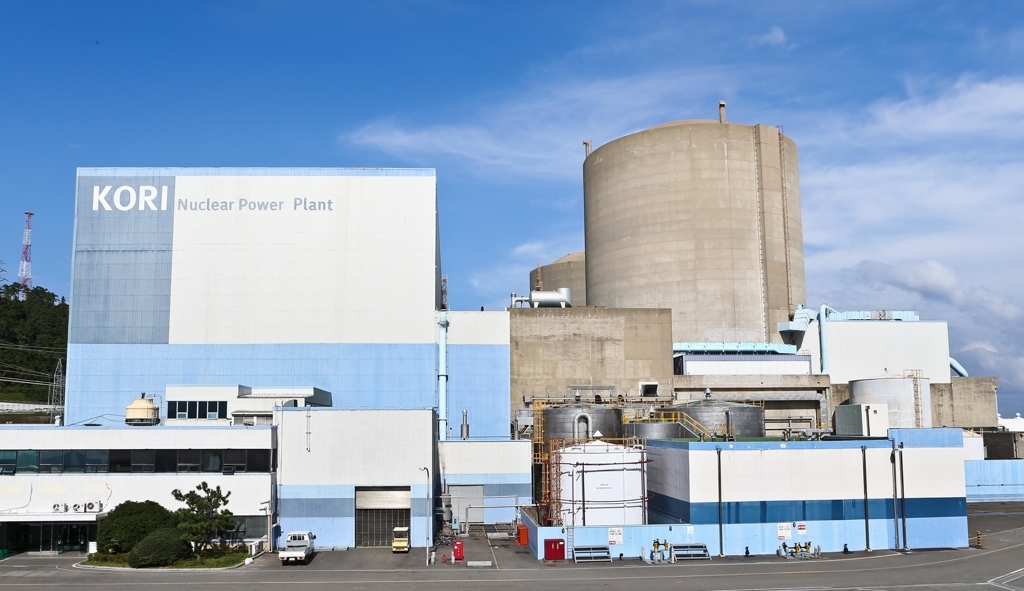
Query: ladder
[570,541]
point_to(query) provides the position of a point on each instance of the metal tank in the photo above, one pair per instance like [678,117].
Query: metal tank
[702,217]
[909,399]
[721,417]
[654,430]
[569,271]
[582,422]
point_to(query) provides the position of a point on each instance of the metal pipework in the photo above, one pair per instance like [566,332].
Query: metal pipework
[465,424]
[442,376]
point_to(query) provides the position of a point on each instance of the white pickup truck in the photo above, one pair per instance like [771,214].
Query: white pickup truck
[298,545]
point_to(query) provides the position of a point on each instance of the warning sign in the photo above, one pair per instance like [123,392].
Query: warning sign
[785,531]
[801,528]
[614,536]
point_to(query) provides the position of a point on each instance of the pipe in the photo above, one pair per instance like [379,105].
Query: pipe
[903,499]
[822,338]
[583,492]
[956,367]
[721,536]
[867,418]
[867,517]
[721,111]
[465,424]
[895,497]
[442,376]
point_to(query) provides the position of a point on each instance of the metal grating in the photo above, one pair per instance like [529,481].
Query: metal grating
[374,527]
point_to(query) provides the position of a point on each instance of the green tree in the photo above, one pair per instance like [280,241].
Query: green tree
[163,547]
[202,518]
[33,337]
[129,523]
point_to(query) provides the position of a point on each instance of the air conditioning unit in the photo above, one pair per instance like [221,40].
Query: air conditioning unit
[56,507]
[90,507]
[76,508]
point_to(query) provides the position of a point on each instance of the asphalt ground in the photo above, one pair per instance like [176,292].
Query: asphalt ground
[999,564]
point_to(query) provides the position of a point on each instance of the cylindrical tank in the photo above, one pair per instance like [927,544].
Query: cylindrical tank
[721,417]
[602,483]
[654,430]
[702,217]
[909,399]
[582,422]
[141,412]
[569,271]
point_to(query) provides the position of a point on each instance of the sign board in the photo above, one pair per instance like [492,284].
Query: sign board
[689,529]
[615,536]
[785,531]
[801,528]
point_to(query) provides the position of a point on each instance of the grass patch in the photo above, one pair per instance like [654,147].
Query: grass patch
[219,560]
[116,560]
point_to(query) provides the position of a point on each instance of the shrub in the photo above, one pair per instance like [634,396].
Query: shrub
[160,548]
[129,523]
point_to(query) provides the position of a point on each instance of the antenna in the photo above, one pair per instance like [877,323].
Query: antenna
[57,393]
[25,269]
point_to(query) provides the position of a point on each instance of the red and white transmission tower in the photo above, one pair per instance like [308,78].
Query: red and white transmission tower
[25,269]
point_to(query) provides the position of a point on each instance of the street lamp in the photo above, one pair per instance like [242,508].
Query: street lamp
[430,515]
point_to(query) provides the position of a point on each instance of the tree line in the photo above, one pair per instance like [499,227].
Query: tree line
[33,337]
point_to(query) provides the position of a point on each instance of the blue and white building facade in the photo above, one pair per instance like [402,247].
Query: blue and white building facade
[269,278]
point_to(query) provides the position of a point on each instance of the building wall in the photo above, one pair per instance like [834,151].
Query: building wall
[965,402]
[820,484]
[700,217]
[478,372]
[502,468]
[863,349]
[554,348]
[994,481]
[177,280]
[731,365]
[569,271]
[324,454]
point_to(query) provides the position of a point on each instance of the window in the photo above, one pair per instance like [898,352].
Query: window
[234,459]
[51,460]
[188,460]
[74,461]
[203,414]
[222,409]
[197,409]
[28,461]
[120,460]
[212,460]
[143,460]
[258,460]
[8,461]
[97,460]
[192,409]
[166,460]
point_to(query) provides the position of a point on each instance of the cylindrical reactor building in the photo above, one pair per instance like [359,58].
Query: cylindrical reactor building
[568,271]
[702,217]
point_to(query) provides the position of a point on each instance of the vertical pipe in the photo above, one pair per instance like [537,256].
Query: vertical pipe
[721,536]
[867,418]
[822,338]
[895,498]
[583,491]
[903,499]
[442,376]
[867,517]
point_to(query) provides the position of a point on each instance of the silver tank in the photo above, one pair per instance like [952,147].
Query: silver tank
[582,422]
[654,430]
[720,417]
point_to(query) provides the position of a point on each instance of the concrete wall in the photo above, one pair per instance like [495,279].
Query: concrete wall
[501,468]
[569,271]
[784,396]
[554,348]
[965,402]
[700,217]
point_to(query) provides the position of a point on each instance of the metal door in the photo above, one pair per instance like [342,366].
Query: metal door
[378,512]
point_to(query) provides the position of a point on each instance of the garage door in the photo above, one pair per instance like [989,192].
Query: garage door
[378,512]
[467,502]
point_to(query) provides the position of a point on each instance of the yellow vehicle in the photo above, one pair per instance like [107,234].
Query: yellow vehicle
[400,540]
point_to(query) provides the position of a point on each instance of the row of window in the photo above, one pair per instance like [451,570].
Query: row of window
[197,409]
[226,461]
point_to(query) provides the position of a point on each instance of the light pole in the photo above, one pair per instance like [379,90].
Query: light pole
[430,515]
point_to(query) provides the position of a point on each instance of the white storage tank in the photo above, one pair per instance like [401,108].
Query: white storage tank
[602,484]
[908,398]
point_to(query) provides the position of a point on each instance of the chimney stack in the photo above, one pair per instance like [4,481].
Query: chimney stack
[721,111]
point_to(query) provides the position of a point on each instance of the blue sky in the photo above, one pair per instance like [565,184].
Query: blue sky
[909,117]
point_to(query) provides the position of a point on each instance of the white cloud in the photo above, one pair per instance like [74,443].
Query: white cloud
[513,271]
[539,133]
[775,37]
[932,280]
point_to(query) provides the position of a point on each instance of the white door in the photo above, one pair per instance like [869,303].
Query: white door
[467,502]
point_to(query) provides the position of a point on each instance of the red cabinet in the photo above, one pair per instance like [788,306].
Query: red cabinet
[554,549]
[458,550]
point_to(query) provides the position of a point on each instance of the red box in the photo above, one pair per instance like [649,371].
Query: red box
[523,535]
[458,550]
[554,549]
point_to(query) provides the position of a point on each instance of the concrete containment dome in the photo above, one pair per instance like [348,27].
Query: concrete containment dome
[568,271]
[702,217]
